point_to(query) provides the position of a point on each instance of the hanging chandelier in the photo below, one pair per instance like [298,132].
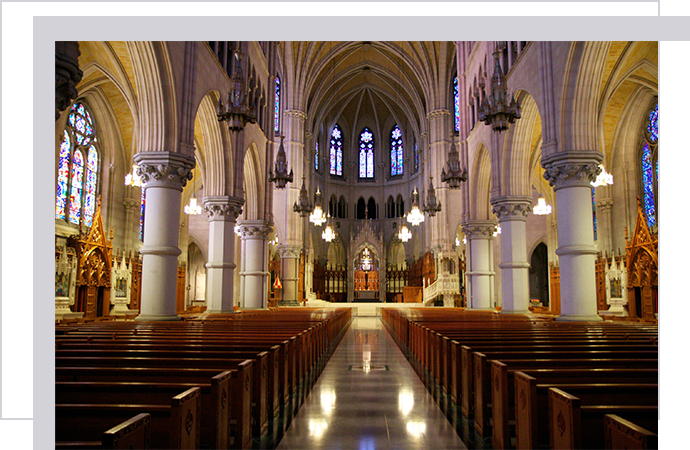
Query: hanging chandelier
[328,233]
[281,176]
[603,178]
[542,207]
[431,206]
[237,112]
[303,205]
[455,174]
[193,208]
[415,216]
[404,234]
[317,217]
[499,111]
[132,178]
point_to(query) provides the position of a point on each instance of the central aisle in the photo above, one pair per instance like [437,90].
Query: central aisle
[368,397]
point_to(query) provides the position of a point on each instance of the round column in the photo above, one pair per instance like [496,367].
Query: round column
[163,176]
[255,275]
[512,216]
[570,175]
[222,211]
[480,275]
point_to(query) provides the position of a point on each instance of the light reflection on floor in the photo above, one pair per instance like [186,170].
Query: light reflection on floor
[369,409]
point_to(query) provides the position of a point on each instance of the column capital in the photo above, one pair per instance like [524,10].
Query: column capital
[605,204]
[164,169]
[289,251]
[514,207]
[254,229]
[131,204]
[437,113]
[296,113]
[572,168]
[222,207]
[479,229]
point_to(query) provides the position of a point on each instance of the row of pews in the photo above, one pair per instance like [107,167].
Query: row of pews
[531,382]
[216,382]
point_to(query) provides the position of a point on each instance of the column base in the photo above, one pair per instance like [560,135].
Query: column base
[216,311]
[157,317]
[568,318]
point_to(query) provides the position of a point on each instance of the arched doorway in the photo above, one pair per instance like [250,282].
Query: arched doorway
[539,275]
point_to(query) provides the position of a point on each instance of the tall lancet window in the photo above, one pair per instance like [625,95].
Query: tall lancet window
[366,154]
[396,151]
[650,166]
[78,169]
[316,156]
[277,106]
[336,152]
[456,102]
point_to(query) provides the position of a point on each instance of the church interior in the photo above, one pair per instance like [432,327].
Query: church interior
[486,211]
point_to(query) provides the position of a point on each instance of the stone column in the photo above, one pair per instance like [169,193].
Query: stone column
[512,216]
[222,211]
[289,261]
[163,175]
[480,276]
[254,275]
[571,174]
[605,225]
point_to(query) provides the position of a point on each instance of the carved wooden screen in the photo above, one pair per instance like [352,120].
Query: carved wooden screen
[642,262]
[274,294]
[555,277]
[300,284]
[94,256]
[181,284]
[135,300]
[428,269]
[600,270]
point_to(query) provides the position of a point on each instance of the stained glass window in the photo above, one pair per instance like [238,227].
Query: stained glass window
[416,157]
[594,214]
[336,152]
[456,102]
[396,151]
[142,211]
[650,166]
[78,169]
[366,154]
[316,156]
[277,105]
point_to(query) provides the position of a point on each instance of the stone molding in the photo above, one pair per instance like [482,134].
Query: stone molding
[437,113]
[131,204]
[572,169]
[164,169]
[222,207]
[483,229]
[296,113]
[512,208]
[605,204]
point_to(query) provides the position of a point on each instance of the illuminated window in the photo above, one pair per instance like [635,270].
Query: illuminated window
[456,102]
[78,169]
[650,166]
[366,154]
[336,152]
[277,106]
[396,151]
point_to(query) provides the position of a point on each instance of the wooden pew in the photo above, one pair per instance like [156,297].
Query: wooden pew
[214,403]
[132,433]
[576,421]
[621,433]
[173,426]
[483,376]
[529,404]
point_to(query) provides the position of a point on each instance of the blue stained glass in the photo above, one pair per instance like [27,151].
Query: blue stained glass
[316,156]
[370,163]
[456,97]
[416,157]
[366,154]
[277,105]
[396,151]
[653,126]
[648,183]
[90,200]
[594,215]
[72,117]
[362,163]
[336,152]
[75,194]
[394,160]
[63,178]
[81,124]
[142,211]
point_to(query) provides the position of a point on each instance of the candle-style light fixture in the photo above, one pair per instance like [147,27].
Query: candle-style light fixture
[431,206]
[303,206]
[603,178]
[317,217]
[193,208]
[542,207]
[498,110]
[328,233]
[455,174]
[281,177]
[132,178]
[237,112]
[415,216]
[404,234]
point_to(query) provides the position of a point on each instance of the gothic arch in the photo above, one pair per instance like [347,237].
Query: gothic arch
[253,185]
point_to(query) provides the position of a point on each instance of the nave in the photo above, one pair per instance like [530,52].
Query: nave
[369,397]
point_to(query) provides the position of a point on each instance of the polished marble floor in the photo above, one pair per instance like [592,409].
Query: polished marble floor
[368,397]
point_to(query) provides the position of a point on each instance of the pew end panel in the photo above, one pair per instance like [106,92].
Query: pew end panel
[526,420]
[621,433]
[132,433]
[185,423]
[564,420]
